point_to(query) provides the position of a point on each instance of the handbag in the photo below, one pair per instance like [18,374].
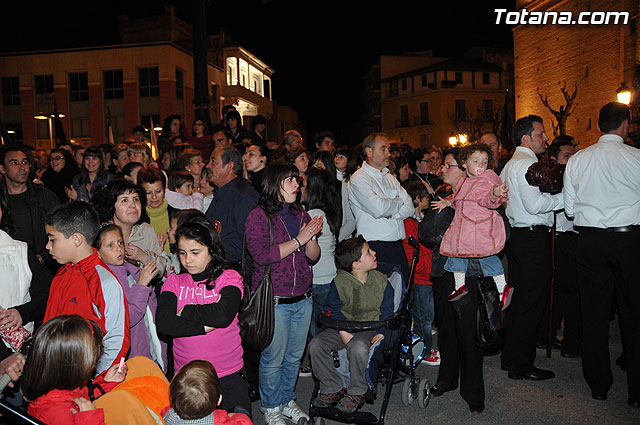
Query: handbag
[490,318]
[257,315]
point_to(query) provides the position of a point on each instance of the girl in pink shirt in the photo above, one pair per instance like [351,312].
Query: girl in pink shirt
[477,229]
[199,308]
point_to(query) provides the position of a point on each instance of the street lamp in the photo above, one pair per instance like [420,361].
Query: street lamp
[458,139]
[50,117]
[624,94]
[453,140]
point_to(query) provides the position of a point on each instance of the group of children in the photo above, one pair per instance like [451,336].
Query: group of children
[100,308]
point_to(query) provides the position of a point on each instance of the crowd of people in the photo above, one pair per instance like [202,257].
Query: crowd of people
[123,252]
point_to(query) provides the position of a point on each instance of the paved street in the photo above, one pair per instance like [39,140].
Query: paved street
[565,399]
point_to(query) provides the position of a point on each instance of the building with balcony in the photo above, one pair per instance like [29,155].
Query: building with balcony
[597,59]
[440,97]
[146,78]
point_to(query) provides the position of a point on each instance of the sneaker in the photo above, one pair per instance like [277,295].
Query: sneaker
[434,358]
[328,400]
[305,372]
[458,293]
[505,297]
[273,416]
[350,403]
[292,412]
[434,331]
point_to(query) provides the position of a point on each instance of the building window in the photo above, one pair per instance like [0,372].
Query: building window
[404,84]
[394,88]
[10,91]
[179,84]
[461,109]
[486,78]
[458,77]
[44,84]
[424,113]
[80,127]
[404,115]
[267,88]
[423,80]
[112,83]
[487,106]
[149,85]
[78,86]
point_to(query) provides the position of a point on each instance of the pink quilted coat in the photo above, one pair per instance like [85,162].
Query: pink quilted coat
[477,229]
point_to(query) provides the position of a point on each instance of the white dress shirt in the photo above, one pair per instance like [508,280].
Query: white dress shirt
[563,224]
[527,206]
[379,204]
[602,184]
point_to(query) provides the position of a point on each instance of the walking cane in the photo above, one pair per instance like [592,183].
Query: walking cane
[553,275]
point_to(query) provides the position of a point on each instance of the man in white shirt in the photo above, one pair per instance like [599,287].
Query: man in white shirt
[380,204]
[530,214]
[602,193]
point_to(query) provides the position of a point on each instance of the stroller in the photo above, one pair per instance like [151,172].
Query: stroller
[398,349]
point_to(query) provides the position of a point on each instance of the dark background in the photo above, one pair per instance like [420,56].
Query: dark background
[319,49]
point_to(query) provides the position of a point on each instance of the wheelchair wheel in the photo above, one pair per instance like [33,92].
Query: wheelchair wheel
[418,349]
[407,394]
[318,421]
[424,393]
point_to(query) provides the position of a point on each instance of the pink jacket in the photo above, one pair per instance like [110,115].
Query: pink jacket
[477,230]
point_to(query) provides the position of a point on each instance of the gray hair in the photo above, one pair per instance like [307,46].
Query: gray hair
[370,141]
[231,154]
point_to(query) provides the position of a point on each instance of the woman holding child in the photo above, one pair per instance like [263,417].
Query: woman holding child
[292,251]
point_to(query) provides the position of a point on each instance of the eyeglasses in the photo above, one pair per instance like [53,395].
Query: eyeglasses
[56,158]
[447,166]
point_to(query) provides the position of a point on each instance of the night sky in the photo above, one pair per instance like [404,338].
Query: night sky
[319,49]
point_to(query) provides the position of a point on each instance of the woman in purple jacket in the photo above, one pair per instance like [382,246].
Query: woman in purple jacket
[293,250]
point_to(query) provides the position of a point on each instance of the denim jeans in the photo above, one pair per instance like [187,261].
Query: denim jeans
[491,265]
[320,292]
[280,361]
[423,313]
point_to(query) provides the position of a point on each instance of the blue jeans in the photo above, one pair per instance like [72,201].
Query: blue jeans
[491,265]
[280,361]
[320,292]
[423,313]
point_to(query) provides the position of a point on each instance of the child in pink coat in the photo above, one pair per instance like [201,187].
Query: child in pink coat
[477,229]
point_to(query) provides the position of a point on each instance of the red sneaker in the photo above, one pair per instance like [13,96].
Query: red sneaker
[433,359]
[505,297]
[458,293]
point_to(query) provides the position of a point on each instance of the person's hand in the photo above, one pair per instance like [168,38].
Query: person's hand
[376,338]
[113,375]
[12,366]
[147,273]
[83,404]
[500,191]
[71,193]
[135,253]
[171,234]
[312,228]
[440,205]
[10,319]
[345,336]
[162,238]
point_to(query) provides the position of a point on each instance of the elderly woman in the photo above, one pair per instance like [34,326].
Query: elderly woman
[123,203]
[290,254]
[461,358]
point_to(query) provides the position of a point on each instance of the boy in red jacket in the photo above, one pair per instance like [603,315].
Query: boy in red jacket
[84,285]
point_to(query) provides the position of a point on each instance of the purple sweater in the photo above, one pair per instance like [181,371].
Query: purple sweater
[138,298]
[292,275]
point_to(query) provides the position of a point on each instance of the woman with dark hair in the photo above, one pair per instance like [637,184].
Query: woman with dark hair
[199,309]
[324,160]
[92,176]
[201,136]
[171,156]
[403,170]
[23,298]
[234,124]
[258,127]
[171,128]
[60,173]
[255,163]
[300,158]
[294,247]
[122,203]
[345,163]
[321,199]
[154,183]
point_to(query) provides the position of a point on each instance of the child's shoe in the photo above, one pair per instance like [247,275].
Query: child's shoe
[505,297]
[458,293]
[434,358]
[350,403]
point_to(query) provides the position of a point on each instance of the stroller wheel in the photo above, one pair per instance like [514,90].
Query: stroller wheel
[318,421]
[407,395]
[424,393]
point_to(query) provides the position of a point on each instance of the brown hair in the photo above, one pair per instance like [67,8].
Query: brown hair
[469,150]
[64,355]
[177,179]
[151,175]
[184,160]
[195,390]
